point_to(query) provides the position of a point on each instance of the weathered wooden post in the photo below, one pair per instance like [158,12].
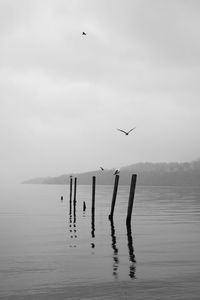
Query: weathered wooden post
[75,183]
[71,183]
[131,199]
[93,210]
[114,197]
[93,194]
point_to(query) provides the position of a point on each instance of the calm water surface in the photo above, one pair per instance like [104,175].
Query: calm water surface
[44,243]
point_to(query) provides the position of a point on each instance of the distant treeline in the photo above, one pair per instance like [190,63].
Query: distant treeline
[150,174]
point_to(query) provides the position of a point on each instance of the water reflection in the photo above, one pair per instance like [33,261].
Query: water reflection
[93,230]
[115,250]
[74,211]
[132,268]
[72,223]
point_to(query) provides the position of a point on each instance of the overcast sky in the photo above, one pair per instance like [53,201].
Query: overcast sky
[63,95]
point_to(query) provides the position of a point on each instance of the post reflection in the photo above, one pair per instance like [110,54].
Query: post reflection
[132,268]
[74,221]
[93,230]
[115,250]
[72,224]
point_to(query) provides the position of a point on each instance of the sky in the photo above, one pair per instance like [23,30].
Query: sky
[63,95]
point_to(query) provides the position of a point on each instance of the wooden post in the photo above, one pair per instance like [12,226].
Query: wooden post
[84,206]
[70,196]
[93,194]
[114,197]
[93,210]
[75,183]
[71,183]
[131,199]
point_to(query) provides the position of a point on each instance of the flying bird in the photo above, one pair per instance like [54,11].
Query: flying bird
[83,33]
[126,132]
[117,171]
[102,169]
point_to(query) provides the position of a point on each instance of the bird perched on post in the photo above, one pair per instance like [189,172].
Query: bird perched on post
[126,132]
[83,33]
[117,171]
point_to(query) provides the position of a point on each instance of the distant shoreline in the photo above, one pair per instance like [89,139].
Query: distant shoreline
[149,174]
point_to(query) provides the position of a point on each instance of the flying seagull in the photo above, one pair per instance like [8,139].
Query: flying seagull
[102,169]
[126,132]
[116,172]
[83,33]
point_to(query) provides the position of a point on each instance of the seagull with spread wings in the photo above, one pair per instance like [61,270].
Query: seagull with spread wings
[126,132]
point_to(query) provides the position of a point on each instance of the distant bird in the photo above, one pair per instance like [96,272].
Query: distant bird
[83,33]
[126,132]
[117,171]
[102,169]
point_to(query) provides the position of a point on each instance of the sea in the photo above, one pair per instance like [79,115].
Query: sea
[51,248]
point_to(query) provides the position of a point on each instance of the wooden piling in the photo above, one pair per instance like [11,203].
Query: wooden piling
[84,206]
[131,199]
[75,183]
[114,197]
[71,183]
[93,194]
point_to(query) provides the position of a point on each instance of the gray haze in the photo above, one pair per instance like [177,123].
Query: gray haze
[63,94]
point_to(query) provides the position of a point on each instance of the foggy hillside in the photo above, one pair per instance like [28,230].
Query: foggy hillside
[156,174]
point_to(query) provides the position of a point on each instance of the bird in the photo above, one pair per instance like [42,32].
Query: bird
[126,132]
[83,33]
[102,169]
[117,171]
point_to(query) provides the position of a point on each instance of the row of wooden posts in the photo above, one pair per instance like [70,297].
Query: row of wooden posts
[130,202]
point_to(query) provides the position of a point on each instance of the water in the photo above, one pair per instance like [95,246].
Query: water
[44,246]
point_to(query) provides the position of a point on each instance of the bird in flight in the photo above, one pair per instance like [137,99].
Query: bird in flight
[102,169]
[117,171]
[83,33]
[126,132]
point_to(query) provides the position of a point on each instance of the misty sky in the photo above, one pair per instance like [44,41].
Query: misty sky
[63,95]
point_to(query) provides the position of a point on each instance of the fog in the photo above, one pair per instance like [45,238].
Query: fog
[63,95]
